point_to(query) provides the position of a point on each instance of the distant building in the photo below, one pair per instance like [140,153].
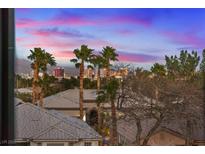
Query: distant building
[40,74]
[58,72]
[25,75]
[89,73]
[122,72]
[37,126]
[67,76]
[103,72]
[114,73]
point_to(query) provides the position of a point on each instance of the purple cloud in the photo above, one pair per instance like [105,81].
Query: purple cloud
[125,32]
[66,18]
[45,32]
[187,38]
[137,57]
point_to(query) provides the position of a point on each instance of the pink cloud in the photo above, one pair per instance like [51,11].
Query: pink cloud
[190,39]
[20,39]
[50,43]
[123,56]
[65,54]
[26,22]
[47,39]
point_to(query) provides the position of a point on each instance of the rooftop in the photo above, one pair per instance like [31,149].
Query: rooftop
[68,98]
[35,123]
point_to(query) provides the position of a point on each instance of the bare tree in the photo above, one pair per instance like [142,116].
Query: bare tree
[150,96]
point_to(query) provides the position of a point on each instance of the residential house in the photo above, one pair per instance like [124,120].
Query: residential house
[38,126]
[67,102]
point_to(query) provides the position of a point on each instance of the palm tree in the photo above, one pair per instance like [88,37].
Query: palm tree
[98,63]
[108,94]
[109,54]
[83,55]
[48,59]
[36,57]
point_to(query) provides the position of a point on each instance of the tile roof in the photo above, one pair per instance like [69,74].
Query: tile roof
[68,98]
[35,123]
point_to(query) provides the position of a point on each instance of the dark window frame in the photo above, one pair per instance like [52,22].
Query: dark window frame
[7,49]
[87,143]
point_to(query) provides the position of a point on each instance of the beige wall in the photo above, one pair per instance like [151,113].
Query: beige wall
[93,143]
[165,138]
[81,143]
[74,113]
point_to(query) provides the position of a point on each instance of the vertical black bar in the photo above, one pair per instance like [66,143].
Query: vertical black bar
[7,78]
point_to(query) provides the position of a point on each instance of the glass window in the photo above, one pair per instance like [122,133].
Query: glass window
[87,143]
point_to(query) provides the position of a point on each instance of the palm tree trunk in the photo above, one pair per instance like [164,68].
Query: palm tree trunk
[34,84]
[99,105]
[33,93]
[99,118]
[42,91]
[98,79]
[81,89]
[108,73]
[114,124]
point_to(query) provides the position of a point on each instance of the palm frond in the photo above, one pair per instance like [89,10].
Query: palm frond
[77,65]
[90,66]
[74,60]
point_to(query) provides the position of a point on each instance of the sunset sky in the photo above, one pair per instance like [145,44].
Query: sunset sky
[141,36]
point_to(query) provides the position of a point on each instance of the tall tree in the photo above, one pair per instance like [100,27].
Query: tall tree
[99,63]
[184,66]
[159,71]
[108,94]
[141,104]
[109,54]
[202,64]
[48,59]
[36,56]
[83,55]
